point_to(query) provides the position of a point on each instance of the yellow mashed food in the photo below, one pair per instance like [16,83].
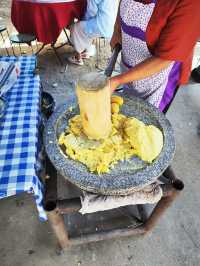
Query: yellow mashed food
[129,137]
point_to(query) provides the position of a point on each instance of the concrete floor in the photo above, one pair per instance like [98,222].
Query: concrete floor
[175,241]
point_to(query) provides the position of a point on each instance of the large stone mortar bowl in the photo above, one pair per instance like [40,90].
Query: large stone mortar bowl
[126,177]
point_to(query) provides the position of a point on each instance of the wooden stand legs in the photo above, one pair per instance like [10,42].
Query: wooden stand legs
[57,223]
[56,208]
[170,192]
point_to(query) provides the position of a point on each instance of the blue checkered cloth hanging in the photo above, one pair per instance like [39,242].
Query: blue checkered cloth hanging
[19,131]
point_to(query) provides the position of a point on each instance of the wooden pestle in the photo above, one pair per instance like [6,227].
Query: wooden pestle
[93,94]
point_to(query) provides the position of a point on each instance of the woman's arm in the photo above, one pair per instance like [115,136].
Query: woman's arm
[102,23]
[143,70]
[116,37]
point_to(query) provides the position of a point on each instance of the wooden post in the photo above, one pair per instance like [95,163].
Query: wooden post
[169,195]
[50,204]
[57,223]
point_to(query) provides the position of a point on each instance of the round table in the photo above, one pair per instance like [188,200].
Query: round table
[45,18]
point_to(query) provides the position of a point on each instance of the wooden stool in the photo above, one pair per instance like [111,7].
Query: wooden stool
[55,48]
[3,29]
[62,203]
[23,39]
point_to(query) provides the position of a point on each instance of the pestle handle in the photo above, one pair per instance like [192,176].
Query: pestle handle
[111,64]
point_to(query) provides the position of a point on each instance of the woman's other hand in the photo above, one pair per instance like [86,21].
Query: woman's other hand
[116,37]
[114,83]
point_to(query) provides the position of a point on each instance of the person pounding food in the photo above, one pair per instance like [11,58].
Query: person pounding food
[157,38]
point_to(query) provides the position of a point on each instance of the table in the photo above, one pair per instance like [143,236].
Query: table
[45,18]
[19,136]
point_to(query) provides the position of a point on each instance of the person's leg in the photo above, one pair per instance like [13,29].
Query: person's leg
[80,41]
[89,52]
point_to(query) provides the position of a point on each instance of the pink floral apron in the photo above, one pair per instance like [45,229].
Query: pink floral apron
[159,88]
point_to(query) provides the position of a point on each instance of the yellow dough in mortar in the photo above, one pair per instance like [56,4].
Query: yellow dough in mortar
[147,140]
[128,137]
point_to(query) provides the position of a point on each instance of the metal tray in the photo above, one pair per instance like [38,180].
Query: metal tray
[126,177]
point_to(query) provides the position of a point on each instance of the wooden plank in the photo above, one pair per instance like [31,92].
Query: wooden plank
[69,205]
[111,234]
[66,190]
[79,225]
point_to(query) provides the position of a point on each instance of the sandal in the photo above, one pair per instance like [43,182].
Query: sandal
[72,59]
[90,52]
[85,55]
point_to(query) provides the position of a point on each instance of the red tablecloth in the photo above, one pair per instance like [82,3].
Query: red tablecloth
[45,20]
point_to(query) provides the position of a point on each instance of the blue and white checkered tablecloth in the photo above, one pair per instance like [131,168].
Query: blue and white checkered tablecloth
[19,131]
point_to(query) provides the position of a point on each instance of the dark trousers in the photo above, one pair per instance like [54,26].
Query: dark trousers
[169,104]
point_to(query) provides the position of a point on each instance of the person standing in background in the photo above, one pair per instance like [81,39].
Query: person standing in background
[98,22]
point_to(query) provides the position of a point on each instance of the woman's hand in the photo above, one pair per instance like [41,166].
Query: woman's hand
[147,68]
[116,38]
[114,83]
